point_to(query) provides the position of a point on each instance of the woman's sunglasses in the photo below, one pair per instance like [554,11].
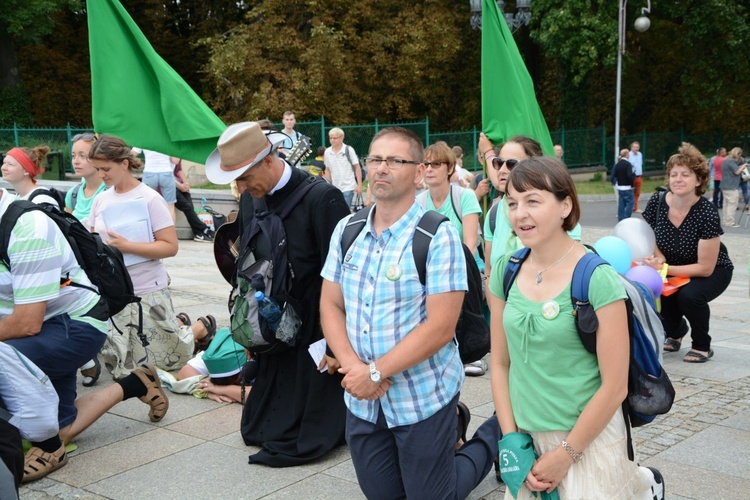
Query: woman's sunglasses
[497,163]
[87,136]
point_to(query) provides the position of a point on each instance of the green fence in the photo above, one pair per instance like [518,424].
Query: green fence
[583,147]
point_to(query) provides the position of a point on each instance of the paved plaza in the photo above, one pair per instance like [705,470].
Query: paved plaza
[196,452]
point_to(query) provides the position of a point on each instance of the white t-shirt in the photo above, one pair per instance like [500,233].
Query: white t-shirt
[151,275]
[155,162]
[340,164]
[42,198]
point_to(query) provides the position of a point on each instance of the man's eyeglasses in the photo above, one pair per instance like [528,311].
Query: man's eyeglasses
[86,136]
[497,163]
[391,163]
[436,164]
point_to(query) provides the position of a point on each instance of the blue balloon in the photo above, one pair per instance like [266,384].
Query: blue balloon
[615,251]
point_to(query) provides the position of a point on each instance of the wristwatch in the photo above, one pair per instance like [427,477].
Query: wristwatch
[374,373]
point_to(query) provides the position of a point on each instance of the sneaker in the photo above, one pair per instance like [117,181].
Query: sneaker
[476,369]
[658,489]
[735,225]
[205,237]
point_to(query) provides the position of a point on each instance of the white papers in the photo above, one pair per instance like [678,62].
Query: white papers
[317,350]
[130,219]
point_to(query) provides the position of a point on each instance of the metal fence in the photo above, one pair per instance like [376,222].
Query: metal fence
[583,147]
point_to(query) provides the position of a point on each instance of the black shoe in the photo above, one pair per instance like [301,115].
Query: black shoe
[205,237]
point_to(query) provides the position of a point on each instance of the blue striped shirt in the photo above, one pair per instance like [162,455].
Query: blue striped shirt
[384,302]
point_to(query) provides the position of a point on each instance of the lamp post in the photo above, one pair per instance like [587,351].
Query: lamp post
[522,17]
[641,24]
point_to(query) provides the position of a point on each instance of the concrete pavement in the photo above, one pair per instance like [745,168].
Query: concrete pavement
[196,451]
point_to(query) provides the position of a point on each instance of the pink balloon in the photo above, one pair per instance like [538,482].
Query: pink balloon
[648,276]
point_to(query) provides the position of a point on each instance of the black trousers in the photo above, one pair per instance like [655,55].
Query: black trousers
[11,454]
[691,301]
[184,204]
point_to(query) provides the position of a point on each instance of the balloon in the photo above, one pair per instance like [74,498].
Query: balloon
[649,277]
[615,251]
[638,235]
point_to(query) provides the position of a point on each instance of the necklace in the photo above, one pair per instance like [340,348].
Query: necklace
[539,273]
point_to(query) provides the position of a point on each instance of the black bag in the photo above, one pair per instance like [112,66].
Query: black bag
[358,203]
[103,264]
[58,196]
[472,330]
[262,265]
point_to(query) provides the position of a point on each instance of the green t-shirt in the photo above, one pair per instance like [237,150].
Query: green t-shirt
[469,205]
[83,205]
[552,376]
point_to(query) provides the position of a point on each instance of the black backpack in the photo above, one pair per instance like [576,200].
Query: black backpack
[472,330]
[103,264]
[263,265]
[51,192]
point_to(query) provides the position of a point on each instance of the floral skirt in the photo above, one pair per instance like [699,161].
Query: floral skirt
[605,472]
[169,346]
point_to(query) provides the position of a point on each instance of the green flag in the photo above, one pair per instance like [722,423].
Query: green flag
[509,105]
[137,96]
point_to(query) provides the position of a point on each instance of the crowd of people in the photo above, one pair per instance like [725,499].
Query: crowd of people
[394,376]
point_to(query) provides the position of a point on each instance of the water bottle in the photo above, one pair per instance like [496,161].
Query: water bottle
[269,309]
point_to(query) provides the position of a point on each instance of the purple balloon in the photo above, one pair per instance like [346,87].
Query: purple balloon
[648,276]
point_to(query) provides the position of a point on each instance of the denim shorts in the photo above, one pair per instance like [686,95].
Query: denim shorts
[163,182]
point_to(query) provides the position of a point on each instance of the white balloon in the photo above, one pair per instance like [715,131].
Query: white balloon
[638,235]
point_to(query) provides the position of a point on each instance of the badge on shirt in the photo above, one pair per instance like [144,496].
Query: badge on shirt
[550,309]
[393,272]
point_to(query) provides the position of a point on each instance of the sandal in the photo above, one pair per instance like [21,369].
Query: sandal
[184,318]
[464,417]
[694,356]
[672,345]
[39,463]
[91,375]
[210,323]
[155,396]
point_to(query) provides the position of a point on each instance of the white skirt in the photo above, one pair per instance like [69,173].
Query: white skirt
[604,472]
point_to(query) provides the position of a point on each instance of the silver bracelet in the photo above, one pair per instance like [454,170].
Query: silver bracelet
[575,455]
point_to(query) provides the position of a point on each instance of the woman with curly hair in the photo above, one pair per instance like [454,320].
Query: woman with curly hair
[688,231]
[21,166]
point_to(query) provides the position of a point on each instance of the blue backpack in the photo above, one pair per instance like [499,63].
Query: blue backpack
[650,392]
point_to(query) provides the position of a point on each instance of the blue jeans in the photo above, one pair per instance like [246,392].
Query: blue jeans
[58,350]
[348,197]
[625,203]
[419,461]
[163,182]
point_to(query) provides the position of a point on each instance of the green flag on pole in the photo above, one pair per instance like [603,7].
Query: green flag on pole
[509,104]
[137,96]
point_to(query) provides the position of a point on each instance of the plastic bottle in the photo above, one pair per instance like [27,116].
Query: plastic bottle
[269,309]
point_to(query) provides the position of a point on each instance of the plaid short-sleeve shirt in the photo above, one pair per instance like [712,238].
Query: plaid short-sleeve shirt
[384,302]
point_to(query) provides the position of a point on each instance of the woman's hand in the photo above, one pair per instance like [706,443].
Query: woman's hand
[655,262]
[117,241]
[534,484]
[551,468]
[483,187]
[485,144]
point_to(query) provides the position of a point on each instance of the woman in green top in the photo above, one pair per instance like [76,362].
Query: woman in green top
[78,200]
[544,382]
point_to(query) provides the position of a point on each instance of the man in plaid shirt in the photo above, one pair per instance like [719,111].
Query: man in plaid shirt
[393,339]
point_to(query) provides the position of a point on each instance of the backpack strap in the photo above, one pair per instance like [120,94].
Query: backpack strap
[352,229]
[493,216]
[456,195]
[423,234]
[350,150]
[14,211]
[74,196]
[511,270]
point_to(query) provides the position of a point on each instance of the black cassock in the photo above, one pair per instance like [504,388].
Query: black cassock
[295,413]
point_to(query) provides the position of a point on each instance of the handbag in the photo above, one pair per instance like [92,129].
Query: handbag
[358,203]
[745,175]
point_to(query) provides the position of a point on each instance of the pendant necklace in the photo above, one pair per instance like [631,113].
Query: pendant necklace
[539,273]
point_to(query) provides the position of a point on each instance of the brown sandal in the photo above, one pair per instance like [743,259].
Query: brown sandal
[39,463]
[155,396]
[184,318]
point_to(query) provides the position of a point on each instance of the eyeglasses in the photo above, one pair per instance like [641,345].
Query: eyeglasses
[86,136]
[497,163]
[391,163]
[435,164]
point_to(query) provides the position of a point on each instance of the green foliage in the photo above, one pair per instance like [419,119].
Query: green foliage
[14,108]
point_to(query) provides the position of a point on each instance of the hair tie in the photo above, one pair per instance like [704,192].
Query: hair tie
[25,162]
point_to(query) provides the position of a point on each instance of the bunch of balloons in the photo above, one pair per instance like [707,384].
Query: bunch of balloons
[632,240]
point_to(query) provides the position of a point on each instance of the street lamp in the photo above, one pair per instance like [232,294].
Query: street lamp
[522,17]
[641,24]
